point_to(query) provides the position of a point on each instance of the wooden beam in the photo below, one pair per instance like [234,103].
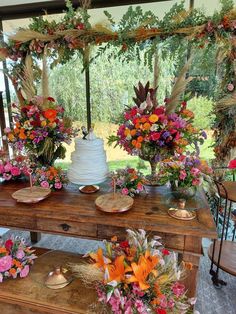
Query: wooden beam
[57,6]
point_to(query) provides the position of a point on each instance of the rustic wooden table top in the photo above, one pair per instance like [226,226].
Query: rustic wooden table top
[149,211]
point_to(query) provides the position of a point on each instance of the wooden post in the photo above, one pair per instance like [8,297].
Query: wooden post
[87,86]
[2,122]
[7,89]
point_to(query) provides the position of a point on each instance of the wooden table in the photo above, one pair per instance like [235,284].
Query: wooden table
[68,212]
[31,296]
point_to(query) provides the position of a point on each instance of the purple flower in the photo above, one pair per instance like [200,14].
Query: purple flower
[204,135]
[20,254]
[165,135]
[5,263]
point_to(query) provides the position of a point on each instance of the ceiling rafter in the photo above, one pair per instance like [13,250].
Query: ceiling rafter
[57,6]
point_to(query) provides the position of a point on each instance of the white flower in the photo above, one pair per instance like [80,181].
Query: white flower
[154,127]
[143,105]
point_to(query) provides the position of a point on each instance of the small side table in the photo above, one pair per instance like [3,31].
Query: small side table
[222,251]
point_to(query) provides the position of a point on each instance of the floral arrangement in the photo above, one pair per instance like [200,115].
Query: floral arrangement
[128,181]
[137,276]
[13,168]
[148,130]
[185,171]
[15,258]
[50,177]
[41,130]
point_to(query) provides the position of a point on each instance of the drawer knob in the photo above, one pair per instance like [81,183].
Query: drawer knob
[65,227]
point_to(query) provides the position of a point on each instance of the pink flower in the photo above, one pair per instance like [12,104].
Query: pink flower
[7,176]
[7,130]
[178,289]
[1,168]
[20,254]
[24,272]
[125,191]
[230,87]
[139,186]
[196,182]
[171,303]
[15,171]
[44,184]
[195,171]
[5,263]
[58,185]
[163,301]
[182,175]
[232,164]
[8,166]
[140,307]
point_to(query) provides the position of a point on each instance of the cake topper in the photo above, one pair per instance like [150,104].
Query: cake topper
[91,136]
[85,132]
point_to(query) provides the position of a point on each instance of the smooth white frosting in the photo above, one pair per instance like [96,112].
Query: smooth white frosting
[89,164]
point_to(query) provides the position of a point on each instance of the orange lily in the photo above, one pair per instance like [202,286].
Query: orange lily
[117,270]
[145,266]
[101,261]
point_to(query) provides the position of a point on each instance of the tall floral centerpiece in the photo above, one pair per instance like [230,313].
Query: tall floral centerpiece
[40,130]
[150,131]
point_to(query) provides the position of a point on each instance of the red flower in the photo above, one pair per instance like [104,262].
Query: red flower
[51,99]
[133,112]
[165,252]
[124,244]
[232,164]
[155,136]
[80,26]
[9,244]
[161,311]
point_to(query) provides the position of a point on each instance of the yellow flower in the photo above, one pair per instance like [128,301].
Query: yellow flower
[153,118]
[43,123]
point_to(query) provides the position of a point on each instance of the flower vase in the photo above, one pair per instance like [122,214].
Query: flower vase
[183,192]
[47,156]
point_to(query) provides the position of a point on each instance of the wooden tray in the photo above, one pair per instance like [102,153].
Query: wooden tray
[31,195]
[114,203]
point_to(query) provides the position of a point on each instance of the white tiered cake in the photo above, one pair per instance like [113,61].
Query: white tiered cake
[89,164]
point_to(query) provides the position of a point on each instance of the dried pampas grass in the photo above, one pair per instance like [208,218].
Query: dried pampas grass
[87,273]
[27,79]
[27,35]
[179,87]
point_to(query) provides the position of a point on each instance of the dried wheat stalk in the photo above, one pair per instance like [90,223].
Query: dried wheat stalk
[27,35]
[27,79]
[44,79]
[179,87]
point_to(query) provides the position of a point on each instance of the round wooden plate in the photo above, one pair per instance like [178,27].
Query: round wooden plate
[182,214]
[31,195]
[114,203]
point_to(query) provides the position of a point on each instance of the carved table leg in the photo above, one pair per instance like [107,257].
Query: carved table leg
[35,237]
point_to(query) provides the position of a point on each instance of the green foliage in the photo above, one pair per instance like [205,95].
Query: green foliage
[202,108]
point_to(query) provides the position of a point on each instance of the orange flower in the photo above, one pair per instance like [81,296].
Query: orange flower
[22,135]
[143,119]
[50,114]
[147,126]
[11,137]
[188,113]
[133,132]
[114,239]
[3,250]
[12,271]
[145,266]
[153,118]
[134,142]
[101,261]
[137,125]
[138,145]
[140,139]
[117,270]
[127,132]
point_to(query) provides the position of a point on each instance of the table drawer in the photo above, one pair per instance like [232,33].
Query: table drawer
[20,222]
[67,227]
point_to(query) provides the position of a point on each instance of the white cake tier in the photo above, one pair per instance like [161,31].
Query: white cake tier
[89,164]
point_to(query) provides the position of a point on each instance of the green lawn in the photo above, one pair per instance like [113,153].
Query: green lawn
[206,153]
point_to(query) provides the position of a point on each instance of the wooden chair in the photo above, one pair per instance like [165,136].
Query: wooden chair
[222,251]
